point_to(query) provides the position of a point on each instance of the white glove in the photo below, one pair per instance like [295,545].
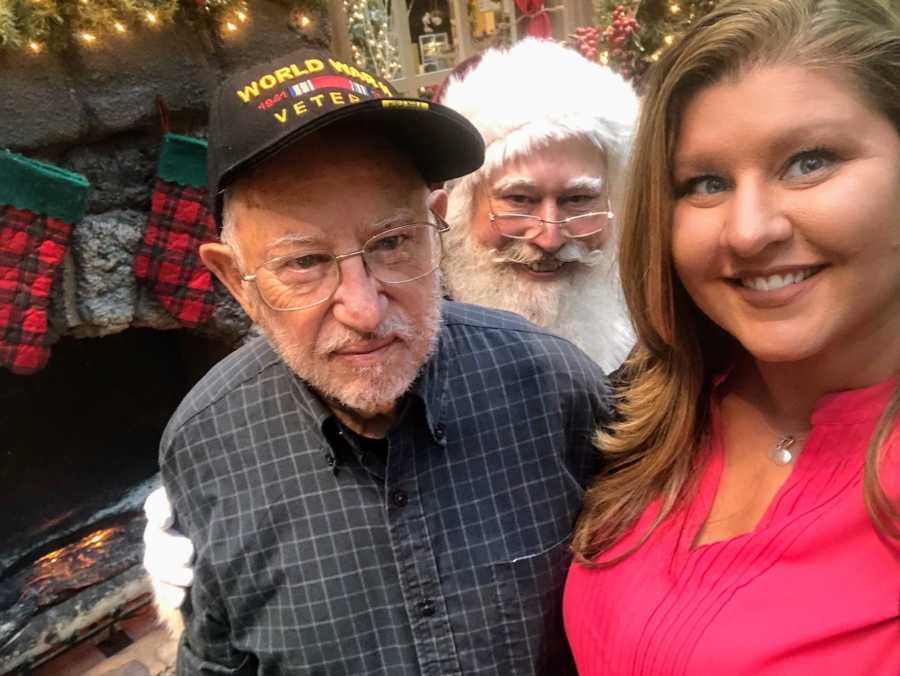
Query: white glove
[168,555]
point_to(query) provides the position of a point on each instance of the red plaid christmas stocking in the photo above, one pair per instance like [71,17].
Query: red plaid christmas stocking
[38,205]
[168,261]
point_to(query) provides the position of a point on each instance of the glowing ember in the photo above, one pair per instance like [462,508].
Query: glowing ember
[66,561]
[94,559]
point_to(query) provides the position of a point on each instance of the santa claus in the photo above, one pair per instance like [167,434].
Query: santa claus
[533,231]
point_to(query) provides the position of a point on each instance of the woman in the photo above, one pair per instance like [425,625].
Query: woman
[747,523]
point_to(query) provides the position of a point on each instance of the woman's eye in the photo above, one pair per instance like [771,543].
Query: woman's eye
[808,162]
[704,185]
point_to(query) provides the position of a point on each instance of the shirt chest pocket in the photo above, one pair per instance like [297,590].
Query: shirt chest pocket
[529,633]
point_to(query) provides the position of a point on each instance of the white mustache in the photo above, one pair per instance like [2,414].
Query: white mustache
[343,338]
[525,253]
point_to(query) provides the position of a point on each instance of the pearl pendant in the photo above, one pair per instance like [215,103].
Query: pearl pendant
[781,454]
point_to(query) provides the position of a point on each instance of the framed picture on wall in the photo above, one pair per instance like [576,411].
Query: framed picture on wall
[435,52]
[427,17]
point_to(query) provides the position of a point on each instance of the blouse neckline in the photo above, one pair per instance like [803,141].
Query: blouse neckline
[852,406]
[846,407]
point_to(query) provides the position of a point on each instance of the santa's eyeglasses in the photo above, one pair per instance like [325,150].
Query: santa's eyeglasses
[529,226]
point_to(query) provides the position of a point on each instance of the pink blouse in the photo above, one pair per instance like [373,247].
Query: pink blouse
[813,589]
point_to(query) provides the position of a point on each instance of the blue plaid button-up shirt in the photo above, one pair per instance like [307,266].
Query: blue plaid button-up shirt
[446,554]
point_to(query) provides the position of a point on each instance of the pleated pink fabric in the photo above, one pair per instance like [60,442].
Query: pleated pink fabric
[814,589]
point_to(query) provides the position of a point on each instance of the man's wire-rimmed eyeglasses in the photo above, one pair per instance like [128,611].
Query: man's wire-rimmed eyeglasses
[528,227]
[308,277]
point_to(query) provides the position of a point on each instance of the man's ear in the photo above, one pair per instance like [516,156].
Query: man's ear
[221,261]
[437,202]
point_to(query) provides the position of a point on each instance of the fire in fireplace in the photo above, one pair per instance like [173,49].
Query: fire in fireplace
[79,457]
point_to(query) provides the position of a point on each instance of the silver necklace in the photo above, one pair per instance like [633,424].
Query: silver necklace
[783,453]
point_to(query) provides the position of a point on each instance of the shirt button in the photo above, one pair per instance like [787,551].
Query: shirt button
[439,432]
[426,607]
[399,498]
[329,459]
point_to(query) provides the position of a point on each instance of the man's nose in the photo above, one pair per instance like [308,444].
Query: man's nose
[755,220]
[551,237]
[358,302]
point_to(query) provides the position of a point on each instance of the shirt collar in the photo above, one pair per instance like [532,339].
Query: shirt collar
[854,406]
[429,387]
[843,407]
[309,401]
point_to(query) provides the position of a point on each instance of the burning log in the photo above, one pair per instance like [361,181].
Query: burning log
[75,566]
[63,572]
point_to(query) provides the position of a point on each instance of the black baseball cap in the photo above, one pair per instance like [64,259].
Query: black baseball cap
[261,110]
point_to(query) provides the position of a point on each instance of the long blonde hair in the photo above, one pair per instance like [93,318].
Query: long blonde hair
[663,404]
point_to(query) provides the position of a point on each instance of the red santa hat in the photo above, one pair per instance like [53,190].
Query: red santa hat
[532,94]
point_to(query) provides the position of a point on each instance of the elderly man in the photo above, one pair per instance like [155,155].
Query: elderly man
[534,228]
[385,483]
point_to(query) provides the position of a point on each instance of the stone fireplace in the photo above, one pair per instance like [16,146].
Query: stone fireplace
[79,437]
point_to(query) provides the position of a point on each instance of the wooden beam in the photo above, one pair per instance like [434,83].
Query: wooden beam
[340,31]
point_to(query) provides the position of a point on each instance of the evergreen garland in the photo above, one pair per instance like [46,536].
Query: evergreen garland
[36,25]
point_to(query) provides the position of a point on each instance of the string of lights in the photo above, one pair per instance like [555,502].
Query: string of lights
[372,41]
[42,25]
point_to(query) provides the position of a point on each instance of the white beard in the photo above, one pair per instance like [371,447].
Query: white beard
[586,306]
[364,391]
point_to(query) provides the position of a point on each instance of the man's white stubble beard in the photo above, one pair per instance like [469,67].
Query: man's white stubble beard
[585,305]
[370,390]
